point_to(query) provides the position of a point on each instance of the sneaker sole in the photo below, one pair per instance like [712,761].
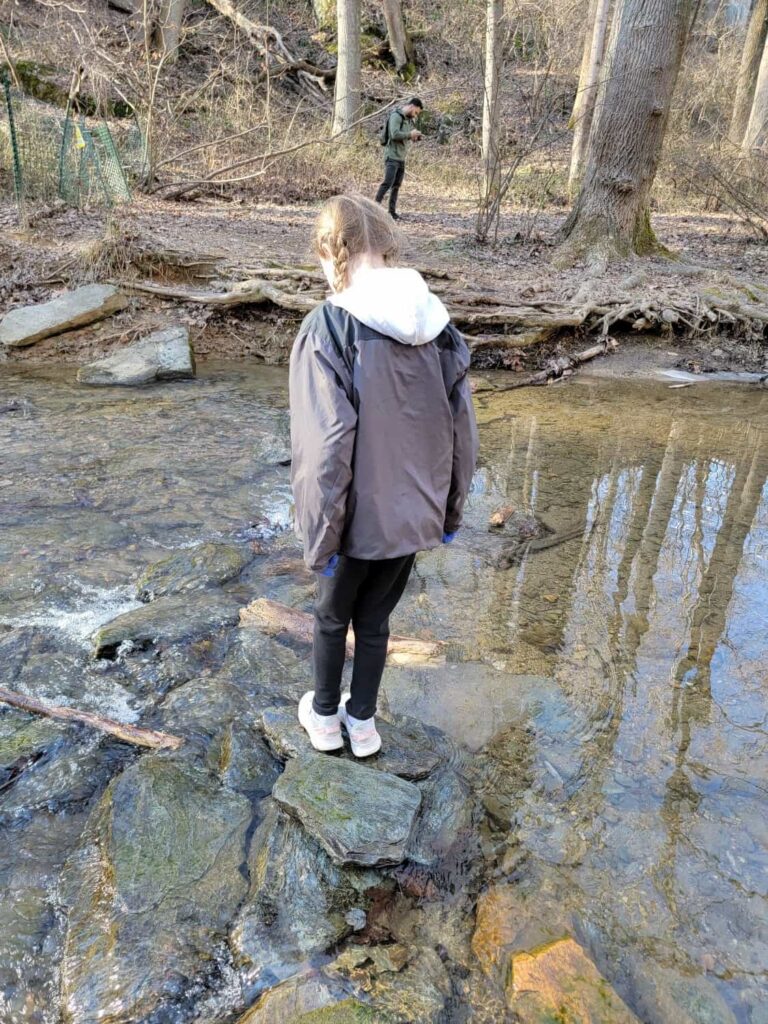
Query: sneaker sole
[324,746]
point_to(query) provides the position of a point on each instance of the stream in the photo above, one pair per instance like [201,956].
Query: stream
[605,699]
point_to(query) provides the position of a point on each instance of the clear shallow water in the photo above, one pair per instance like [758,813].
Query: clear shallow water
[612,689]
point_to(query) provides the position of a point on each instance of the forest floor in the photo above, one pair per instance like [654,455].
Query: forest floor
[203,242]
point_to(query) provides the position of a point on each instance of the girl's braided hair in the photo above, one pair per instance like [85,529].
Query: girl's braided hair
[351,226]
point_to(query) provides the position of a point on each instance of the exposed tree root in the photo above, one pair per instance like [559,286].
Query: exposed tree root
[556,368]
[126,733]
[275,618]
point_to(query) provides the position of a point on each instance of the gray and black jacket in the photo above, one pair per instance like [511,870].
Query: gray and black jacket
[383,432]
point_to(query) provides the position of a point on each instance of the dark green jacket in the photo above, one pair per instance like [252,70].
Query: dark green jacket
[400,128]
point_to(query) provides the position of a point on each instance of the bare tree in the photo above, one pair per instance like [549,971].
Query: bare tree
[589,81]
[754,45]
[399,41]
[347,97]
[493,59]
[611,213]
[757,126]
[171,18]
[325,13]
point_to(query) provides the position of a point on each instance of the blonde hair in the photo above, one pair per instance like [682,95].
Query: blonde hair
[351,226]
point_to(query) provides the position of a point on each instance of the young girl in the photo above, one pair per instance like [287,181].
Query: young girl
[384,444]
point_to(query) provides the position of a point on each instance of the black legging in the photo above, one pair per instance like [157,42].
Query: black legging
[394,172]
[365,594]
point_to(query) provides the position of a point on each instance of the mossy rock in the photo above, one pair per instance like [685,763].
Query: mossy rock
[197,568]
[349,1011]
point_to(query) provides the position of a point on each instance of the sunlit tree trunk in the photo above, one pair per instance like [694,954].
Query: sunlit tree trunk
[399,41]
[325,13]
[757,127]
[589,81]
[754,45]
[171,18]
[611,213]
[488,215]
[347,99]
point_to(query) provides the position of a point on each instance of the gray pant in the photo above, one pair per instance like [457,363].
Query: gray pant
[394,172]
[365,594]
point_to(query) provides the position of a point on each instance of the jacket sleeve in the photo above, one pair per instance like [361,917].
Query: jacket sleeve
[323,427]
[401,134]
[465,442]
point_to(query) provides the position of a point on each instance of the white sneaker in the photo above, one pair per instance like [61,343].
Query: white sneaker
[324,730]
[363,737]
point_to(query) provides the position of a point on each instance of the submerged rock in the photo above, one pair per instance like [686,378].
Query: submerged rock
[404,750]
[194,568]
[77,308]
[164,355]
[359,815]
[298,900]
[559,981]
[294,999]
[150,891]
[445,819]
[168,619]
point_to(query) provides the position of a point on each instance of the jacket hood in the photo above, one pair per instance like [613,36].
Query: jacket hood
[396,302]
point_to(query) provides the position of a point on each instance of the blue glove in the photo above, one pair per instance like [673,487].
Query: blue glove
[330,569]
[448,537]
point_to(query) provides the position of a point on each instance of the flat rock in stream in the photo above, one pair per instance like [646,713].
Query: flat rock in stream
[405,751]
[445,820]
[168,619]
[150,891]
[298,901]
[164,355]
[73,309]
[196,568]
[359,815]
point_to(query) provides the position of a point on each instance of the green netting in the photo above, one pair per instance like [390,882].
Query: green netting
[46,154]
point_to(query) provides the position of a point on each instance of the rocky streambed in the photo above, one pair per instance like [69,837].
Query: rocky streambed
[565,822]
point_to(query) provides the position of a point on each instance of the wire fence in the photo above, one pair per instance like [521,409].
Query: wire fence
[46,155]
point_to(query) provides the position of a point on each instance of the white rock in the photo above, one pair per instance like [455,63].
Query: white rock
[164,355]
[77,308]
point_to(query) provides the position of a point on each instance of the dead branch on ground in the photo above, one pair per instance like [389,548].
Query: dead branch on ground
[127,733]
[276,618]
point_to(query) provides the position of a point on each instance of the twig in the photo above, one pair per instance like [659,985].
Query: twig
[127,733]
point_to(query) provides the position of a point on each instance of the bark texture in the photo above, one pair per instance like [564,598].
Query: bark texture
[171,18]
[493,56]
[399,41]
[346,108]
[611,212]
[754,45]
[757,127]
[589,83]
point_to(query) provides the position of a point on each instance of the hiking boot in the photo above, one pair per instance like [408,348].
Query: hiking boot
[324,731]
[363,737]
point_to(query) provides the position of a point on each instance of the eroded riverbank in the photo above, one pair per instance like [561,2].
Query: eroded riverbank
[598,731]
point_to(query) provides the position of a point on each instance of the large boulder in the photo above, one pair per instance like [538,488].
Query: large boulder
[298,903]
[168,619]
[358,815]
[164,355]
[405,749]
[25,326]
[196,568]
[151,890]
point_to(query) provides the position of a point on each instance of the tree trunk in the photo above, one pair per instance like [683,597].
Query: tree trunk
[757,127]
[325,13]
[611,214]
[399,41]
[171,17]
[754,45]
[488,214]
[586,97]
[346,108]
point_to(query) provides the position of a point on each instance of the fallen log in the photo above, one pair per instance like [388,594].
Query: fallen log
[127,733]
[275,618]
[557,367]
[513,554]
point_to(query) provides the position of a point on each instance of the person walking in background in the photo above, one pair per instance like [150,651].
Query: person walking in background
[397,134]
[384,443]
